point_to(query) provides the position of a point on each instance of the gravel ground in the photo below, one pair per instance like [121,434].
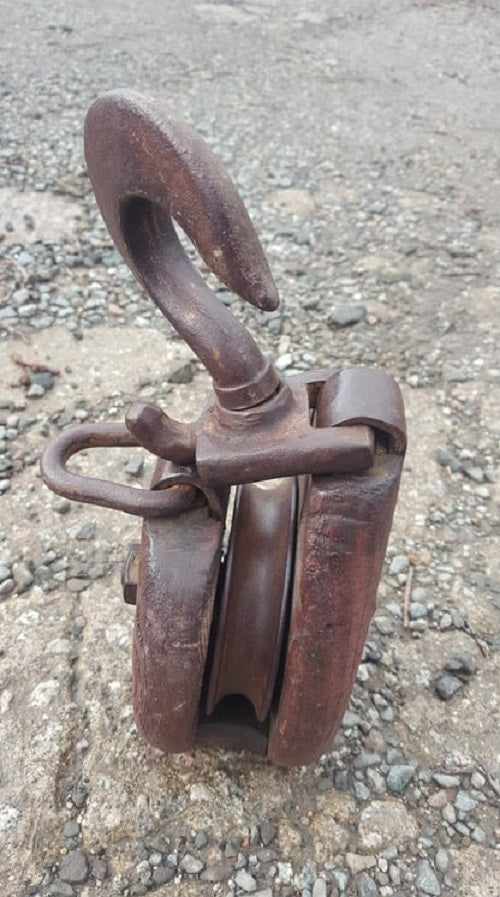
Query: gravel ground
[363,138]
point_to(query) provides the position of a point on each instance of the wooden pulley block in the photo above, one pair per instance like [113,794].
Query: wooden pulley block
[266,522]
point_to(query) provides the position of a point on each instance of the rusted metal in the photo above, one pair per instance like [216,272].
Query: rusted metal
[257,647]
[345,523]
[254,596]
[145,169]
[178,569]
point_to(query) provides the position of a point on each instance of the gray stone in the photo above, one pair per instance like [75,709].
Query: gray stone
[283,362]
[35,391]
[62,506]
[267,833]
[22,575]
[417,610]
[99,868]
[347,315]
[138,890]
[426,879]
[319,888]
[71,829]
[200,840]
[135,466]
[442,860]
[340,877]
[45,379]
[446,622]
[376,781]
[60,889]
[365,759]
[351,719]
[190,864]
[76,585]
[143,871]
[340,780]
[446,781]
[384,625]
[245,881]
[399,564]
[465,802]
[478,835]
[447,459]
[461,663]
[359,863]
[74,867]
[183,374]
[216,873]
[365,886]
[447,685]
[4,573]
[361,792]
[86,532]
[448,814]
[162,875]
[474,473]
[157,843]
[266,854]
[399,777]
[477,780]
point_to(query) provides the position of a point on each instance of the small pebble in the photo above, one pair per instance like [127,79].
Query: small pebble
[135,466]
[74,867]
[245,881]
[183,374]
[201,840]
[461,663]
[399,564]
[62,506]
[319,888]
[59,889]
[426,879]
[340,877]
[22,575]
[365,886]
[347,315]
[45,379]
[216,873]
[447,685]
[446,781]
[35,391]
[442,860]
[399,777]
[267,833]
[190,864]
[71,829]
[464,802]
[162,875]
[478,835]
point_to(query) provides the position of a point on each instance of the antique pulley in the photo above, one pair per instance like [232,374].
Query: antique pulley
[254,646]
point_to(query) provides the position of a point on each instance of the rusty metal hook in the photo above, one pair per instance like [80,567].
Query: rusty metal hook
[146,169]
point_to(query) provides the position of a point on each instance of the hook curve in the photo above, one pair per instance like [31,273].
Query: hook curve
[145,170]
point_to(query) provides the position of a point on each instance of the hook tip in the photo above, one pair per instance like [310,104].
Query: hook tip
[263,295]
